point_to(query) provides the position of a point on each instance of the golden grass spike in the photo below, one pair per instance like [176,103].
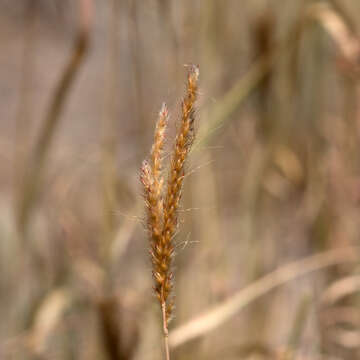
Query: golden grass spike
[183,142]
[162,209]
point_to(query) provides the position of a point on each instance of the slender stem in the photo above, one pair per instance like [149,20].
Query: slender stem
[166,331]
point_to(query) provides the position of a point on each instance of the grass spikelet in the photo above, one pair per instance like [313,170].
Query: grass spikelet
[183,142]
[152,180]
[162,206]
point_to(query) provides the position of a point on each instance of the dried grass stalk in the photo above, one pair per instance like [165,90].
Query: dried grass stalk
[162,206]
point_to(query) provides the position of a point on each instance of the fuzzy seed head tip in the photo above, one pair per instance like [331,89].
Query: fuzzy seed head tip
[194,73]
[164,110]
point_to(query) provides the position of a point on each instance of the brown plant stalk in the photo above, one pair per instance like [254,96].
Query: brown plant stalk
[162,205]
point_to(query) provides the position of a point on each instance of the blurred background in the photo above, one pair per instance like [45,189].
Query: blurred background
[267,263]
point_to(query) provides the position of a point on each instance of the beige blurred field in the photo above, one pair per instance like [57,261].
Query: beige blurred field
[268,249]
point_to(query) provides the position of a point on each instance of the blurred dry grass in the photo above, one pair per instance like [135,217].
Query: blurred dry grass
[273,192]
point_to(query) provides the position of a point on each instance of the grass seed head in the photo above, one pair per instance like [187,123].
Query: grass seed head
[162,206]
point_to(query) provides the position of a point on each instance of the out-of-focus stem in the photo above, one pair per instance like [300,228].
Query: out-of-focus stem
[109,146]
[135,49]
[165,17]
[22,121]
[36,165]
[298,326]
